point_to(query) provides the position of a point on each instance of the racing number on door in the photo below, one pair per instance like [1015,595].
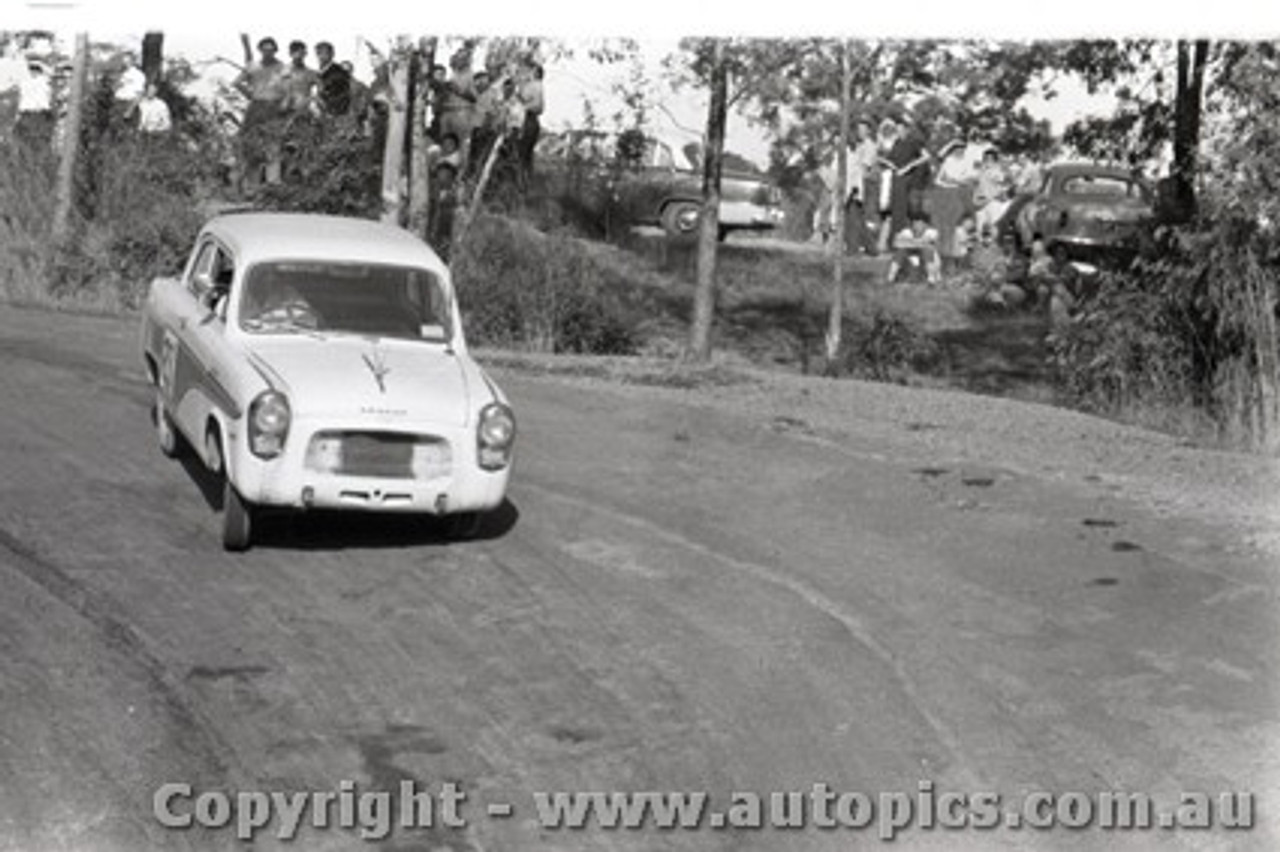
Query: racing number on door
[168,362]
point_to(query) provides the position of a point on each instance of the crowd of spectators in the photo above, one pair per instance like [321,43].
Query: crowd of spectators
[923,195]
[469,112]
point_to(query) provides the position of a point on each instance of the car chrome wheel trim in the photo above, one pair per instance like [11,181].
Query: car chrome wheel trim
[213,452]
[164,428]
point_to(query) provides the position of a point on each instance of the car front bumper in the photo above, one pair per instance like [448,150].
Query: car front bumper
[287,481]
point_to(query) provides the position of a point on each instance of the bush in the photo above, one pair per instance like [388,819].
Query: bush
[887,347]
[1184,342]
[522,289]
[328,167]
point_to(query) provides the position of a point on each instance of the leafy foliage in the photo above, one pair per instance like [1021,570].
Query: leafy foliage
[886,347]
[521,289]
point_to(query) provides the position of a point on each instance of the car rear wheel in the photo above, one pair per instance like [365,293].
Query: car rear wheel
[237,520]
[680,219]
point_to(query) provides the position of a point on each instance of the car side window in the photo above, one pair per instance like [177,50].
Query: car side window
[223,270]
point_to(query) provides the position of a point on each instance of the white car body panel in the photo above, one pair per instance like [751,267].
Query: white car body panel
[208,370]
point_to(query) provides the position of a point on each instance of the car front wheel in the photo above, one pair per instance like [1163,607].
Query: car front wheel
[237,520]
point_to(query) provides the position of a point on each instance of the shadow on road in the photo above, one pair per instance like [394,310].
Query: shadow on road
[209,483]
[320,529]
[331,530]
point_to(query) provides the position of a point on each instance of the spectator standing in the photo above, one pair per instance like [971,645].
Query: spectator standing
[1031,175]
[333,89]
[301,85]
[910,164]
[862,212]
[35,124]
[531,96]
[823,224]
[299,81]
[885,140]
[361,97]
[949,198]
[130,87]
[990,194]
[263,82]
[486,118]
[454,99]
[154,117]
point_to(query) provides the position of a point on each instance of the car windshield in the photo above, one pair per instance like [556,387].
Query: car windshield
[346,298]
[1100,185]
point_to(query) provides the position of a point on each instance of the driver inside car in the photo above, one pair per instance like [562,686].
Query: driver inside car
[276,301]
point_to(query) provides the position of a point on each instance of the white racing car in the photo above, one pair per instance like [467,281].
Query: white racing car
[319,362]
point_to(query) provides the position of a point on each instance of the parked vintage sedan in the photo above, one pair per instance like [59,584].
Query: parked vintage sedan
[1088,213]
[643,180]
[319,362]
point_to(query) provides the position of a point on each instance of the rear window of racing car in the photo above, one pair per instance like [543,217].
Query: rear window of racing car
[382,300]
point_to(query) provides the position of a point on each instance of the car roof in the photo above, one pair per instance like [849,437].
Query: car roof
[258,236]
[1064,170]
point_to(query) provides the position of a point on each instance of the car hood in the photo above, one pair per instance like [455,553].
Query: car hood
[353,377]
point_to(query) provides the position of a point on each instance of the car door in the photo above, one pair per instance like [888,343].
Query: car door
[200,360]
[1032,215]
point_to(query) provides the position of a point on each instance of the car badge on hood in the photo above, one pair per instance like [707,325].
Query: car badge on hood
[378,366]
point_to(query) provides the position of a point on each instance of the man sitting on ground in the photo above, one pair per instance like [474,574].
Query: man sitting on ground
[917,245]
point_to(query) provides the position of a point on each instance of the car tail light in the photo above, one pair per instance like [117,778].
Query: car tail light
[269,418]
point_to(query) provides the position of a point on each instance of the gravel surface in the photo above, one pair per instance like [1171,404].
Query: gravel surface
[1163,473]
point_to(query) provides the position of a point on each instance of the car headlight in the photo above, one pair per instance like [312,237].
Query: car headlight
[495,436]
[268,424]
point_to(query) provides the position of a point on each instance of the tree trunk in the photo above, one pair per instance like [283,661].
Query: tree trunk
[704,295]
[482,182]
[64,189]
[835,321]
[393,153]
[419,177]
[1188,104]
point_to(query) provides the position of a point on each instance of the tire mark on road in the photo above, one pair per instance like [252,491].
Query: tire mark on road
[812,597]
[205,743]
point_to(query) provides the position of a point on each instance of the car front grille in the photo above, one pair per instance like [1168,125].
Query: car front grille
[388,455]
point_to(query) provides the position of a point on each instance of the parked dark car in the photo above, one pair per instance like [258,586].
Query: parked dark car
[631,179]
[1089,213]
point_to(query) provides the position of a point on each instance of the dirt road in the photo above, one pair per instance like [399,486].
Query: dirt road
[680,596]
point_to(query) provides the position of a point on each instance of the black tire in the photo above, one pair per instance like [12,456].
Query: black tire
[680,219]
[166,433]
[237,520]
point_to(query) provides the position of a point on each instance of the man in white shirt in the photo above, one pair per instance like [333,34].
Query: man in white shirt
[153,113]
[132,83]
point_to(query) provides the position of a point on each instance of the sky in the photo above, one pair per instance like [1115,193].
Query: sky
[202,32]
